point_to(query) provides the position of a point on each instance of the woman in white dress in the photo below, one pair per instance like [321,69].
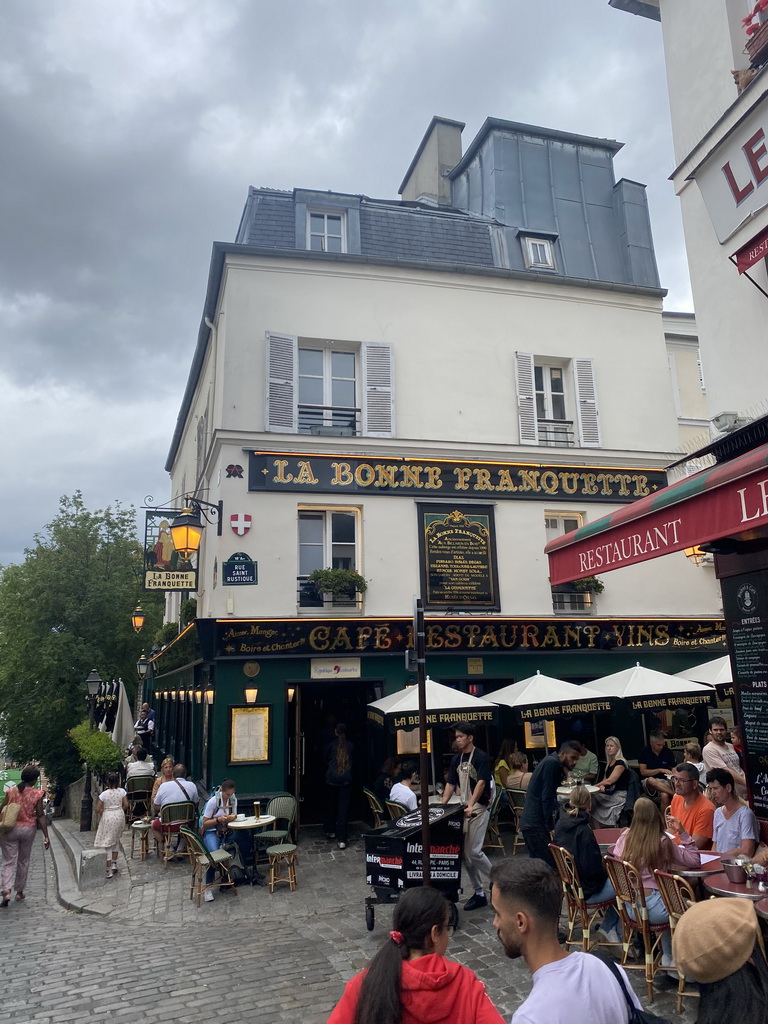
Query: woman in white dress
[111,806]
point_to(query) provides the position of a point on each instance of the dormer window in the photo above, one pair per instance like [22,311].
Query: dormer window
[326,231]
[538,253]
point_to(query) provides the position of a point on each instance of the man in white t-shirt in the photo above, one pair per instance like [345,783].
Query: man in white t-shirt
[402,791]
[174,791]
[719,753]
[526,897]
[143,765]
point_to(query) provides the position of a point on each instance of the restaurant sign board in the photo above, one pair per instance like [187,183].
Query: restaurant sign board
[457,549]
[164,568]
[428,478]
[733,177]
[492,635]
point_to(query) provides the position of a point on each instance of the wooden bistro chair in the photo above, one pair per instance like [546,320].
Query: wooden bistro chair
[396,810]
[580,913]
[375,805]
[138,792]
[517,803]
[202,859]
[172,817]
[678,894]
[493,839]
[630,895]
[284,810]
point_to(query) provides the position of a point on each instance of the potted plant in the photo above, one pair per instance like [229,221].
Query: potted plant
[338,583]
[589,584]
[756,25]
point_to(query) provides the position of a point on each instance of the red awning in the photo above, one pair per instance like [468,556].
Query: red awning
[719,502]
[756,249]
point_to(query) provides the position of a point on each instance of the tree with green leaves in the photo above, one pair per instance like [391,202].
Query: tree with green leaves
[63,611]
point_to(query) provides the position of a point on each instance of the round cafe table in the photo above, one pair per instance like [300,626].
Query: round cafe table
[721,885]
[762,908]
[566,790]
[711,867]
[253,823]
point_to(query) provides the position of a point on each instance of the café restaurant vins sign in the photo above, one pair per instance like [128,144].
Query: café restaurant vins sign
[337,637]
[339,474]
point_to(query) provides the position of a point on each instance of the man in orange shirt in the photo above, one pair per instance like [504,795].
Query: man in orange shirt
[691,807]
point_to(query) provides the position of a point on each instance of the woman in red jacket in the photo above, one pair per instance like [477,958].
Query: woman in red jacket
[409,981]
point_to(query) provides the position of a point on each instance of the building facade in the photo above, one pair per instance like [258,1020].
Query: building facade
[718,95]
[424,391]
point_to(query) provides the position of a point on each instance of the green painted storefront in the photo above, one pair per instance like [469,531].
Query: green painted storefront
[198,687]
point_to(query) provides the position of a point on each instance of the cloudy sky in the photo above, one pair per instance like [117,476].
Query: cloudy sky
[131,129]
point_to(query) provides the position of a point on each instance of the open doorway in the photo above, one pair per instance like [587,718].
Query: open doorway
[318,708]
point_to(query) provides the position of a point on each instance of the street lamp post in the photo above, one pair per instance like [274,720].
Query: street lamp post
[142,667]
[93,682]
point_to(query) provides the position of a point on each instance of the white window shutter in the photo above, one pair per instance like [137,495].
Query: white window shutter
[526,399]
[378,390]
[282,384]
[586,403]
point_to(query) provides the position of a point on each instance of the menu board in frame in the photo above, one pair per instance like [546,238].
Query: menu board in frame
[745,602]
[457,547]
[249,735]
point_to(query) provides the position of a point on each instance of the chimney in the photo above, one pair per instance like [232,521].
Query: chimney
[439,152]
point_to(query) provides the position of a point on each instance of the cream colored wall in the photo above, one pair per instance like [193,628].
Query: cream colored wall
[667,587]
[455,338]
[730,312]
[703,42]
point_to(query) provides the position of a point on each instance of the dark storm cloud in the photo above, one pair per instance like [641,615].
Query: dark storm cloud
[130,133]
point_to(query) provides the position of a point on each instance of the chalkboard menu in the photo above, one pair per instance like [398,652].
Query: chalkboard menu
[745,602]
[458,557]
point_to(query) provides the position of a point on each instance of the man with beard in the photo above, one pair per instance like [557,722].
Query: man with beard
[526,897]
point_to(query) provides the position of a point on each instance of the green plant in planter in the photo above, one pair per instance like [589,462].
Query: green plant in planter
[339,582]
[96,748]
[592,584]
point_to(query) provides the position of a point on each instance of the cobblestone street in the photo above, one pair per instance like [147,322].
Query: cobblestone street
[142,946]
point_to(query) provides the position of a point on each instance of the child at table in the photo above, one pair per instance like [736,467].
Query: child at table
[217,814]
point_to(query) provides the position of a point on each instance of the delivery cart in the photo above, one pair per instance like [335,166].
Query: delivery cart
[393,857]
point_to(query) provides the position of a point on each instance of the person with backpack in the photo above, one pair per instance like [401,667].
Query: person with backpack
[214,821]
[338,785]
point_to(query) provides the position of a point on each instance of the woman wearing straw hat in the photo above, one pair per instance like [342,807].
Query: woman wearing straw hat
[717,943]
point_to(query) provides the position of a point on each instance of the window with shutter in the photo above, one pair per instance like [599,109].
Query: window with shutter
[586,403]
[566,600]
[526,403]
[282,364]
[378,390]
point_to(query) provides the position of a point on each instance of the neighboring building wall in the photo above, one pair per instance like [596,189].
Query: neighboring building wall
[704,41]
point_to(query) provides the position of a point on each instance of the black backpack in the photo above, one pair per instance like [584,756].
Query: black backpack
[239,873]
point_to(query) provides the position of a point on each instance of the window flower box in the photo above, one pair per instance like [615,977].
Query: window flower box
[756,25]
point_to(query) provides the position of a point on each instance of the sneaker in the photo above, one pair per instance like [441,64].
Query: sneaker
[476,901]
[208,896]
[330,835]
[109,874]
[342,846]
[607,935]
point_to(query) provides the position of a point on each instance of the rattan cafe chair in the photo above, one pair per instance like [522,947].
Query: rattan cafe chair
[172,817]
[678,894]
[517,803]
[203,859]
[375,805]
[580,913]
[493,838]
[283,808]
[396,810]
[138,793]
[630,895]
